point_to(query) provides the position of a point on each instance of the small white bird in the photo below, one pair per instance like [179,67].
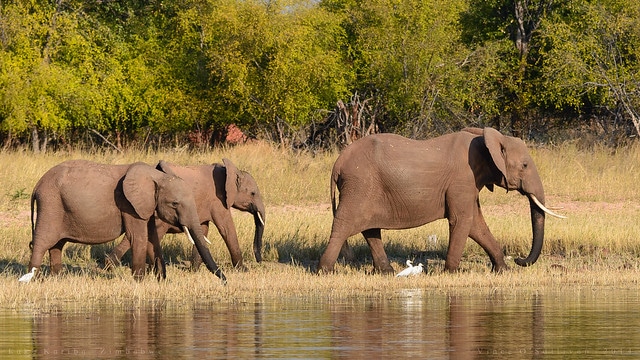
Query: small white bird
[411,270]
[28,276]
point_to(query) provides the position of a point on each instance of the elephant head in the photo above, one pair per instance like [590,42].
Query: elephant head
[150,192]
[517,171]
[242,193]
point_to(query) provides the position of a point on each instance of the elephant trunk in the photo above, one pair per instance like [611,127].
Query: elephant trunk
[197,237]
[258,219]
[537,227]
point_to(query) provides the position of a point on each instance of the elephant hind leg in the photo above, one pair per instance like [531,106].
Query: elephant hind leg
[55,257]
[37,254]
[113,259]
[380,260]
[347,253]
[340,231]
[330,255]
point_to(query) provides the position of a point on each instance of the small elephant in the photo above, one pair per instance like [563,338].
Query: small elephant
[90,203]
[390,182]
[216,188]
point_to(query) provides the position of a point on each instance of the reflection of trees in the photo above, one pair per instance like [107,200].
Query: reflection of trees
[411,326]
[216,332]
[96,335]
[462,329]
[416,324]
[485,328]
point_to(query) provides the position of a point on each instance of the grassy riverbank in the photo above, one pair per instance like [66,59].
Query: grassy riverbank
[597,246]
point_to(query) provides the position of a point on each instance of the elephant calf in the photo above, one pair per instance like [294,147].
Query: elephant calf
[390,182]
[216,188]
[90,203]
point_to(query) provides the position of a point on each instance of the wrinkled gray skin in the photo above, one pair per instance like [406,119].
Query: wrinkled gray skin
[390,182]
[216,189]
[89,203]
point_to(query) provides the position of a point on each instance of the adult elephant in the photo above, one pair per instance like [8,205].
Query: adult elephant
[217,188]
[390,182]
[89,203]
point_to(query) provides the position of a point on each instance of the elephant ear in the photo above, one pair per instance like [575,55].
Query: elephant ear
[139,188]
[231,184]
[474,131]
[493,140]
[165,167]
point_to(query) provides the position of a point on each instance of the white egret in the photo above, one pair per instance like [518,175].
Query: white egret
[411,270]
[28,276]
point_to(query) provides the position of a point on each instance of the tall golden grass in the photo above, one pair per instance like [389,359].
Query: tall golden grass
[596,246]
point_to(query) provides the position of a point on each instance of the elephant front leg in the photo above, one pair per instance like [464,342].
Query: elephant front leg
[458,233]
[137,232]
[154,251]
[380,260]
[480,233]
[227,229]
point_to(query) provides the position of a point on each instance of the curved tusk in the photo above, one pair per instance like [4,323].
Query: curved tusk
[186,231]
[543,208]
[260,217]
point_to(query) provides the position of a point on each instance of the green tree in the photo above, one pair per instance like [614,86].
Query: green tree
[37,93]
[267,64]
[488,28]
[407,54]
[589,64]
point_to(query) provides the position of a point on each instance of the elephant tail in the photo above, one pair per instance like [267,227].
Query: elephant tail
[33,222]
[335,173]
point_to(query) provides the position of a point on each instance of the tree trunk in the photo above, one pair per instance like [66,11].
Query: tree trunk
[35,140]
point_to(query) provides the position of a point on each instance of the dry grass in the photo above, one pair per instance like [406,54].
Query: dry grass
[596,247]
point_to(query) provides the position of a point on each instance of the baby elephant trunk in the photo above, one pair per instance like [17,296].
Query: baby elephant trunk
[197,237]
[258,219]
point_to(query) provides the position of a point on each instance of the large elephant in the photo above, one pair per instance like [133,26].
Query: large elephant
[216,188]
[390,182]
[85,202]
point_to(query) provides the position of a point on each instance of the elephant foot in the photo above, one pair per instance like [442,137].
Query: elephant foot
[451,269]
[241,268]
[194,267]
[324,270]
[195,263]
[56,269]
[499,268]
[110,263]
[385,271]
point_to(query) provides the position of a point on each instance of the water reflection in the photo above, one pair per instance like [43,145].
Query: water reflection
[415,324]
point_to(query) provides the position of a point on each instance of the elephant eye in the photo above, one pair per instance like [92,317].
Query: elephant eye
[524,165]
[253,193]
[175,204]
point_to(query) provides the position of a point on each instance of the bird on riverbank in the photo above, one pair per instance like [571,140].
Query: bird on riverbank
[28,276]
[411,270]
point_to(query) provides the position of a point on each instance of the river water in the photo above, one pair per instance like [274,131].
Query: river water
[577,324]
